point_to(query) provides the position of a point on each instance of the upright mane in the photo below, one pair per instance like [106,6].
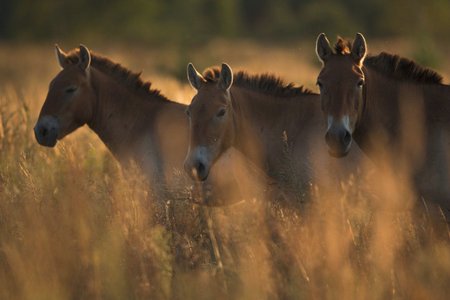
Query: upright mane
[392,65]
[402,68]
[266,83]
[119,73]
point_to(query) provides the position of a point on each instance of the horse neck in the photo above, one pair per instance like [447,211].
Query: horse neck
[438,102]
[117,113]
[391,104]
[263,121]
[380,106]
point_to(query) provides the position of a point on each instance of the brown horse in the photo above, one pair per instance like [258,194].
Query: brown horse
[137,124]
[129,117]
[275,125]
[395,110]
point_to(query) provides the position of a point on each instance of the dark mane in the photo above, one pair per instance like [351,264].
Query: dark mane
[402,68]
[392,65]
[119,73]
[266,83]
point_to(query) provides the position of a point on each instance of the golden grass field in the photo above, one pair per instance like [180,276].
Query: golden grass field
[74,226]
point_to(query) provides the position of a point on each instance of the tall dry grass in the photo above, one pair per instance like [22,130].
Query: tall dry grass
[74,225]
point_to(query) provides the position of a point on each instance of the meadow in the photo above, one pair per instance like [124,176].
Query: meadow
[73,225]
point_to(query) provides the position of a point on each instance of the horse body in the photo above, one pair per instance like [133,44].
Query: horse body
[397,112]
[413,119]
[133,128]
[270,134]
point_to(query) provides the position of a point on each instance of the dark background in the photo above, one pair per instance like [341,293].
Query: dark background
[194,21]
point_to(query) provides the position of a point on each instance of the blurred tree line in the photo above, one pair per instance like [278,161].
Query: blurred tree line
[194,21]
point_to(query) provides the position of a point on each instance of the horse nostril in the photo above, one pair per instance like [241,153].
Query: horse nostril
[200,167]
[43,131]
[347,138]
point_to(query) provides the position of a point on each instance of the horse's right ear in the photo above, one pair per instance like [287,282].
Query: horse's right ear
[61,57]
[323,49]
[194,77]
[85,58]
[226,77]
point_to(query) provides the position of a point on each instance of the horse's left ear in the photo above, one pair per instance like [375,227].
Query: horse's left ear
[85,58]
[226,77]
[359,49]
[61,57]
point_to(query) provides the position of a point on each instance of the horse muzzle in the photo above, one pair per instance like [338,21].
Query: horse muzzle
[197,170]
[46,131]
[198,164]
[339,141]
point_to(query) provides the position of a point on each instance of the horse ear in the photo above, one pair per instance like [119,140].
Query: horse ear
[194,77]
[85,58]
[359,49]
[61,57]
[323,49]
[226,77]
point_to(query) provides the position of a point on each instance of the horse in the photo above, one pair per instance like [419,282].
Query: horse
[275,125]
[395,110]
[138,125]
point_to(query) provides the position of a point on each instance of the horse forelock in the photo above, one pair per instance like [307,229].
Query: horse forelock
[212,74]
[342,46]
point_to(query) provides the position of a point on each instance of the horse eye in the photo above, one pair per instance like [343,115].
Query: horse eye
[70,90]
[187,112]
[361,83]
[221,112]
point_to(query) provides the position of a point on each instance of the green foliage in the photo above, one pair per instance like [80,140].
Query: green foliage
[194,21]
